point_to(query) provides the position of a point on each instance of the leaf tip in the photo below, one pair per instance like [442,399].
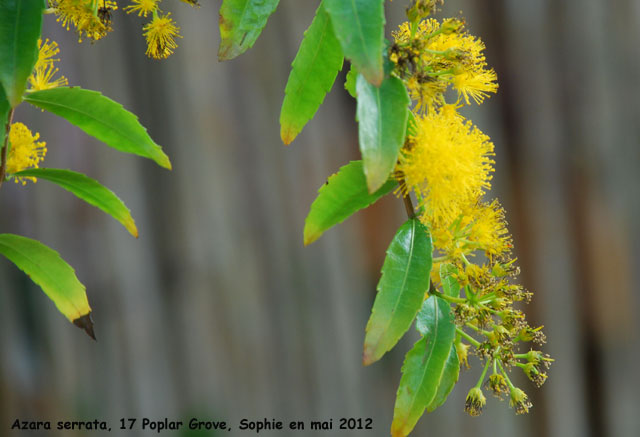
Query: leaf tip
[164,162]
[309,237]
[367,358]
[86,322]
[287,135]
[371,354]
[374,77]
[373,185]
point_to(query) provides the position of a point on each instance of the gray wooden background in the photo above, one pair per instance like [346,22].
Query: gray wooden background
[218,311]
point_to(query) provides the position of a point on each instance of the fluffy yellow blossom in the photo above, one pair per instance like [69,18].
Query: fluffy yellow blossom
[142,7]
[488,228]
[24,151]
[160,34]
[447,163]
[475,84]
[42,76]
[437,55]
[91,18]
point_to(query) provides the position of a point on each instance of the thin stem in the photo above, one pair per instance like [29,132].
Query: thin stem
[467,337]
[478,330]
[408,206]
[5,146]
[484,372]
[448,298]
[441,73]
[464,258]
[506,377]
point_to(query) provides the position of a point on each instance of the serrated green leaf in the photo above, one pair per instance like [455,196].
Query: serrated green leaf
[101,118]
[359,26]
[350,82]
[89,190]
[312,75]
[241,22]
[382,125]
[450,285]
[401,290]
[45,267]
[343,194]
[20,27]
[423,368]
[4,115]
[449,378]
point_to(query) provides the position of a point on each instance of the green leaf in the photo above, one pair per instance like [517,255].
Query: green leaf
[4,115]
[401,290]
[20,27]
[101,118]
[448,381]
[359,26]
[350,82]
[45,267]
[343,194]
[241,22]
[312,75]
[382,125]
[89,190]
[450,285]
[424,365]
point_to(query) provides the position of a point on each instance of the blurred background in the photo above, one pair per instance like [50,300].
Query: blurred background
[218,311]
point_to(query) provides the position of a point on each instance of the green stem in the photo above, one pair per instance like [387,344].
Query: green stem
[484,372]
[467,337]
[464,258]
[441,73]
[506,377]
[5,147]
[478,330]
[487,298]
[434,33]
[448,298]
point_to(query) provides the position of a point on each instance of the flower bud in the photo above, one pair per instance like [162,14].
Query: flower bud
[534,374]
[498,385]
[475,402]
[519,401]
[463,354]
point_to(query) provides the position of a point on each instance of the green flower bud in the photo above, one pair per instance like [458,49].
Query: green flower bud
[498,385]
[475,402]
[520,401]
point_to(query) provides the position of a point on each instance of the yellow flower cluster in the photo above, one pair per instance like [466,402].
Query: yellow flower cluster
[42,76]
[25,151]
[433,56]
[92,19]
[161,32]
[447,163]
